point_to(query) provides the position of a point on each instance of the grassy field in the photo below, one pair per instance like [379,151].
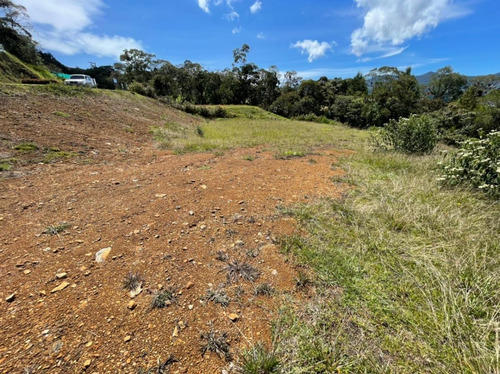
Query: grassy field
[405,275]
[250,127]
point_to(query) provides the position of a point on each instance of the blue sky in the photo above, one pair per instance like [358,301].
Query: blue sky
[335,38]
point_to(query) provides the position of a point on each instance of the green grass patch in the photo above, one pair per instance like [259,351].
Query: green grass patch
[55,154]
[26,147]
[406,276]
[241,132]
[61,114]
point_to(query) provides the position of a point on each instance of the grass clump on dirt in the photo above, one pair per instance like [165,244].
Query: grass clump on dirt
[213,341]
[237,270]
[218,296]
[26,147]
[56,229]
[132,281]
[259,360]
[61,114]
[54,154]
[264,289]
[164,298]
[406,276]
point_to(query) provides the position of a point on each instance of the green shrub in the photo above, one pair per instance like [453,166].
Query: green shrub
[416,134]
[477,163]
[141,89]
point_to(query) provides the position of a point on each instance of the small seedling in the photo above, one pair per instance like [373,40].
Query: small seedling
[249,158]
[132,281]
[264,289]
[162,299]
[200,132]
[218,296]
[215,342]
[237,270]
[302,280]
[55,230]
[222,256]
[259,360]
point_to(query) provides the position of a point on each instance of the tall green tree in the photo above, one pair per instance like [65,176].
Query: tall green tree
[14,32]
[137,65]
[447,85]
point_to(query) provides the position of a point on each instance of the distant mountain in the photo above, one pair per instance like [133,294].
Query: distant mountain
[424,79]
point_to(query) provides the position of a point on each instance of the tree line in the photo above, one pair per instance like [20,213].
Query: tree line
[459,107]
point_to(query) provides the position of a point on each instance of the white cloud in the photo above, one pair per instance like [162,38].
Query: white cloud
[313,48]
[231,16]
[62,26]
[389,23]
[261,35]
[256,7]
[236,30]
[204,4]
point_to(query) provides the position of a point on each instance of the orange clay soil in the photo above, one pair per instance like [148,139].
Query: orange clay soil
[178,221]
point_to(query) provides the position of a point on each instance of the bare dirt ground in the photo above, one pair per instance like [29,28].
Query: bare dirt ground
[172,219]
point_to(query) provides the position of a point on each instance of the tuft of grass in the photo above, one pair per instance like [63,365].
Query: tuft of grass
[132,281]
[61,114]
[5,166]
[54,154]
[162,299]
[237,270]
[259,360]
[55,230]
[249,158]
[26,147]
[405,275]
[212,341]
[218,296]
[289,154]
[264,289]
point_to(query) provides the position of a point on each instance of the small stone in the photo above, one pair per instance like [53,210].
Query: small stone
[136,291]
[274,272]
[190,306]
[87,363]
[61,275]
[191,213]
[160,195]
[203,186]
[127,339]
[234,317]
[42,293]
[189,285]
[131,305]
[27,272]
[10,298]
[176,332]
[61,287]
[89,344]
[103,254]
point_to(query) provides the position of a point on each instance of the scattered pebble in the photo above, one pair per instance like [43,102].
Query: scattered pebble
[10,298]
[61,287]
[234,317]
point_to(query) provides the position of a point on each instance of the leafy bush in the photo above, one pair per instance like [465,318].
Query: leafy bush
[203,111]
[477,163]
[314,118]
[141,89]
[416,134]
